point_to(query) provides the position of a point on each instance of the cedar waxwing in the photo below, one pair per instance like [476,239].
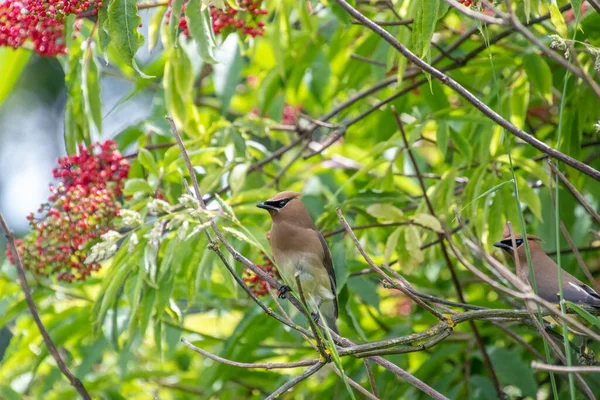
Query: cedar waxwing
[301,251]
[545,271]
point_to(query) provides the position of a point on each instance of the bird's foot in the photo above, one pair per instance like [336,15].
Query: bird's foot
[315,316]
[283,290]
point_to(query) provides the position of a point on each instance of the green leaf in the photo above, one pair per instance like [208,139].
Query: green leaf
[512,368]
[237,177]
[576,6]
[135,185]
[123,23]
[539,73]
[77,128]
[519,101]
[154,27]
[91,90]
[429,221]
[12,63]
[201,31]
[413,244]
[557,19]
[178,82]
[462,144]
[386,212]
[391,244]
[584,314]
[176,7]
[147,161]
[232,79]
[528,196]
[103,32]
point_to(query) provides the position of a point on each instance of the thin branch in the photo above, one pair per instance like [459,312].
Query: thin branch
[293,382]
[402,285]
[75,382]
[371,377]
[486,19]
[467,95]
[88,14]
[303,363]
[313,325]
[584,267]
[564,369]
[388,23]
[575,192]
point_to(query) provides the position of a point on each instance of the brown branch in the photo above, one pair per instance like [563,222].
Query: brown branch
[75,382]
[468,96]
[297,379]
[564,369]
[575,192]
[584,267]
[296,364]
[486,19]
[456,282]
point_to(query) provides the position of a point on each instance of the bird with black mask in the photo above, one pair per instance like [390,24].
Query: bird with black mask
[300,250]
[545,271]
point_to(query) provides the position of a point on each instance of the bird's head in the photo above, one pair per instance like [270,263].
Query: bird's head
[287,207]
[506,244]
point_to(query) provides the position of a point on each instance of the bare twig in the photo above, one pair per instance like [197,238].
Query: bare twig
[564,369]
[584,267]
[475,14]
[297,379]
[75,382]
[575,192]
[303,363]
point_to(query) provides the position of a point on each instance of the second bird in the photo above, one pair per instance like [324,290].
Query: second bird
[301,251]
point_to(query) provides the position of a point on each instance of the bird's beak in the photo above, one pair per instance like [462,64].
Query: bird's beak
[503,246]
[266,206]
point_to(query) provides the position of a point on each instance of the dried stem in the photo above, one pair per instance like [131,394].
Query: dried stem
[564,369]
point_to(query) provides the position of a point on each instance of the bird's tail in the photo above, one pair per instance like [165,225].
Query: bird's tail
[328,312]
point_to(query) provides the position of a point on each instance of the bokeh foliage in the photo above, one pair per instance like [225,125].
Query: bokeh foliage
[120,329]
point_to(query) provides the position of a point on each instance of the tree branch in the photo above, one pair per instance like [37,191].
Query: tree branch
[75,382]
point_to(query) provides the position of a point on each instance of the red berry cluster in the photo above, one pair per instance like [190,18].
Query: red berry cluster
[258,286]
[79,210]
[247,18]
[42,21]
[468,3]
[101,167]
[244,19]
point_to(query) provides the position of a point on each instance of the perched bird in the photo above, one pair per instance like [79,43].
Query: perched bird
[545,271]
[301,251]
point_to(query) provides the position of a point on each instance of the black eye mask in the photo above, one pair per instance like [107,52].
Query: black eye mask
[279,204]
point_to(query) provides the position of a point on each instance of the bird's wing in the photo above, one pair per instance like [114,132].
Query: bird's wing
[328,263]
[581,293]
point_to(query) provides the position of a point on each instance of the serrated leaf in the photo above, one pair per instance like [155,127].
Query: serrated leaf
[429,221]
[103,33]
[123,23]
[201,31]
[386,212]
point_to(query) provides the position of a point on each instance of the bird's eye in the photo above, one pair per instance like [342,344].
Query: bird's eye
[519,242]
[282,203]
